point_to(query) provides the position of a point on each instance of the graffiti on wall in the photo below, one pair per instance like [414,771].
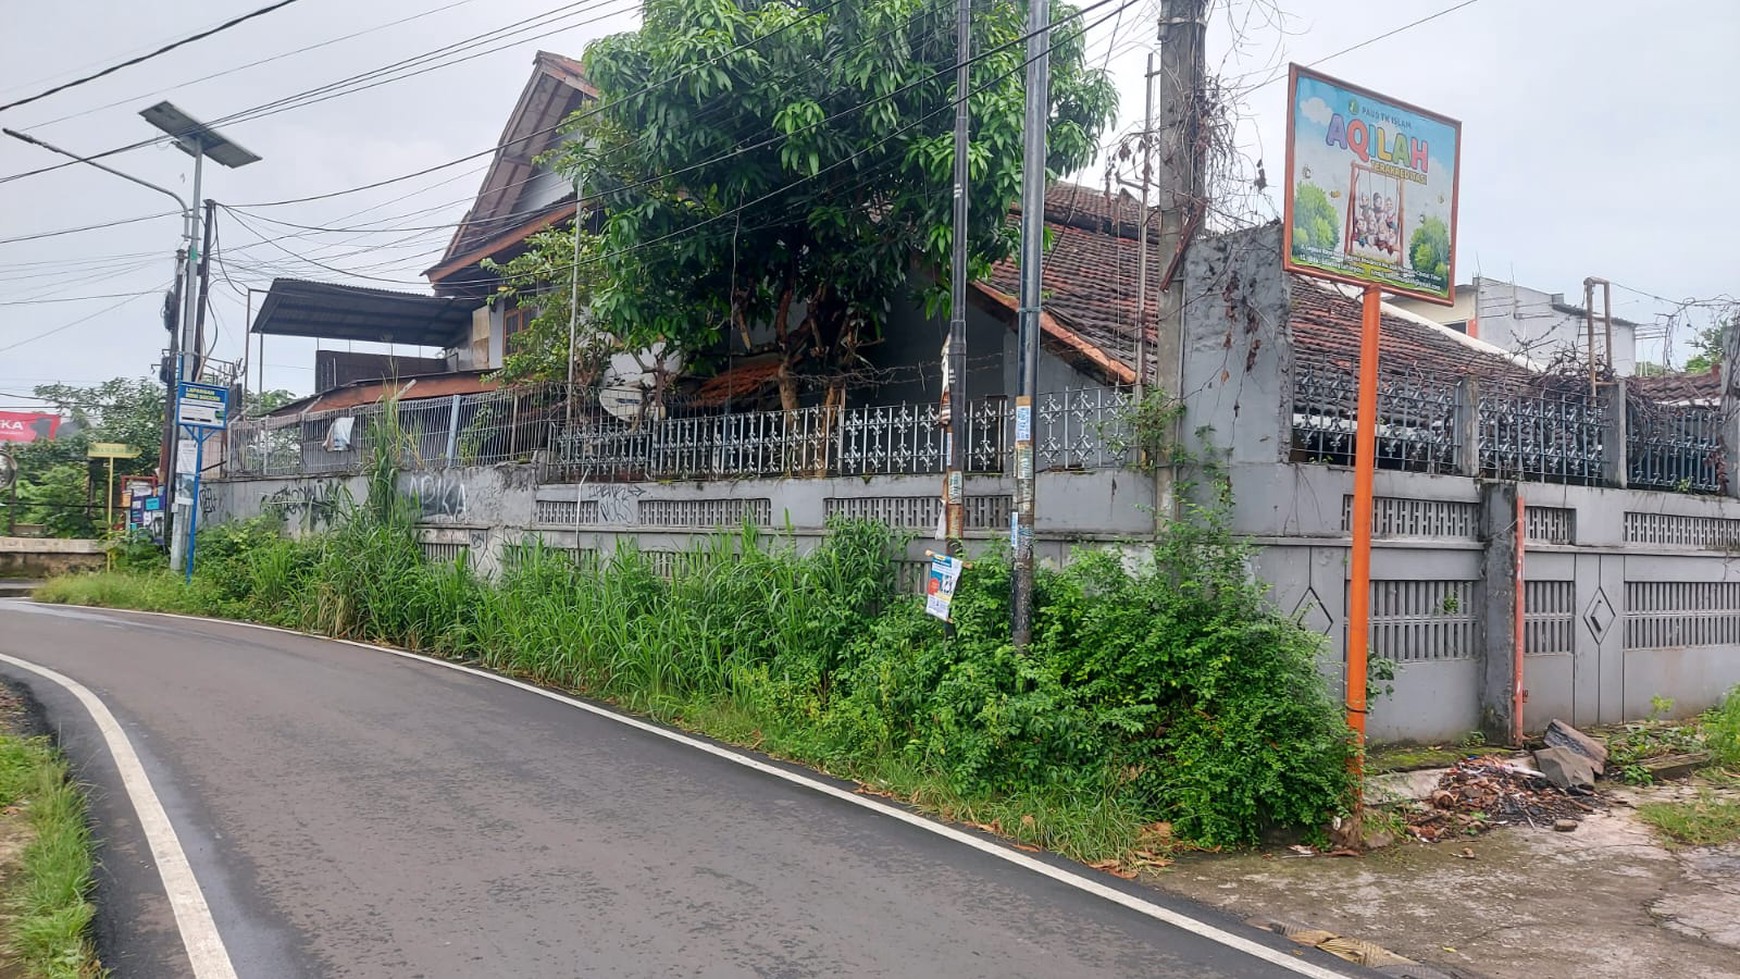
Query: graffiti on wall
[310,506]
[440,495]
[618,503]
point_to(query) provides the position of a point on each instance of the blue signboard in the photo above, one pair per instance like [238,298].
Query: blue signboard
[201,406]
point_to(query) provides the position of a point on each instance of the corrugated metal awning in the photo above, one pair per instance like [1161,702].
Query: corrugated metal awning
[300,308]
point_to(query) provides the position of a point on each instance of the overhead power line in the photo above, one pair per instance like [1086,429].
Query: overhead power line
[67,326]
[89,227]
[372,78]
[586,113]
[744,206]
[165,49]
[74,299]
[263,61]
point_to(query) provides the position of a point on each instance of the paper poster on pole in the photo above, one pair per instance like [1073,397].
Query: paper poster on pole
[939,585]
[1370,194]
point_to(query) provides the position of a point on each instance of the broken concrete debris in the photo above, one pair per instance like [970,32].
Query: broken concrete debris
[1480,793]
[1562,735]
[1566,768]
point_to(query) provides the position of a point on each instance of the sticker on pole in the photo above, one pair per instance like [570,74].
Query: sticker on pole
[201,405]
[939,585]
[1370,194]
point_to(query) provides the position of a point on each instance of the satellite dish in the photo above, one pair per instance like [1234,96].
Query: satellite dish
[8,470]
[627,388]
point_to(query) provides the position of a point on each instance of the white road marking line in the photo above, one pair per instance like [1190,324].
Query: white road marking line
[1158,912]
[199,934]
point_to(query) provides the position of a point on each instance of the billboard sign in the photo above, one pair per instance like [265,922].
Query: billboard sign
[1370,194]
[27,426]
[201,405]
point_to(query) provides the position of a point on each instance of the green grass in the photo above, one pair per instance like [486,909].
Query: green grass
[48,898]
[1708,820]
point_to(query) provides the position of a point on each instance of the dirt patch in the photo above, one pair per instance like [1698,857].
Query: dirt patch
[1607,900]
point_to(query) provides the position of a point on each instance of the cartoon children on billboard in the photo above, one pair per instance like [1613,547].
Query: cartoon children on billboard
[1371,189]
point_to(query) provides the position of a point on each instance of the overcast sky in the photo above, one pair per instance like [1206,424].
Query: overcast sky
[1594,138]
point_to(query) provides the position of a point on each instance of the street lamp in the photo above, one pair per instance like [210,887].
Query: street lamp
[199,141]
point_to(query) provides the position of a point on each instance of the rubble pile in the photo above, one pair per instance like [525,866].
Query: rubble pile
[1480,793]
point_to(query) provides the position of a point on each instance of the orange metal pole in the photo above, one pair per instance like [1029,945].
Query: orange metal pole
[1516,695]
[1359,565]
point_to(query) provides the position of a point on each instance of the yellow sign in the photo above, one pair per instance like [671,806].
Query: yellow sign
[111,450]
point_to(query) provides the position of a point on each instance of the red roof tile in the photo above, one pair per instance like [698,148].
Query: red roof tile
[1704,386]
[1326,327]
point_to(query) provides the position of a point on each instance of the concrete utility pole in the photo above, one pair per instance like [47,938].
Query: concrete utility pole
[1183,23]
[955,384]
[204,290]
[1032,268]
[1144,224]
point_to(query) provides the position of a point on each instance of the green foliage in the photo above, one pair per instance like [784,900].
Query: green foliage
[1707,347]
[1315,221]
[1429,249]
[1721,728]
[57,486]
[792,180]
[1708,820]
[48,899]
[1164,689]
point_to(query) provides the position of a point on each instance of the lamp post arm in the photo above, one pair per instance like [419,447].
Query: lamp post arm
[15,134]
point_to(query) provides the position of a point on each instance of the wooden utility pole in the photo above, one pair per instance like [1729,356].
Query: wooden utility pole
[1181,198]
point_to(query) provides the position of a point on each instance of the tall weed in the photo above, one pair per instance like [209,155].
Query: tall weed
[1160,690]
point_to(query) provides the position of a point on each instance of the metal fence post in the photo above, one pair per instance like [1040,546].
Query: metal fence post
[1615,451]
[452,428]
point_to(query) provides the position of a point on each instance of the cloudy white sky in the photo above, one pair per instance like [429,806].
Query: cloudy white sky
[1596,138]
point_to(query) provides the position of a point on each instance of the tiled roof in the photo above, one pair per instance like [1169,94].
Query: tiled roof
[1090,284]
[738,381]
[1326,326]
[1701,386]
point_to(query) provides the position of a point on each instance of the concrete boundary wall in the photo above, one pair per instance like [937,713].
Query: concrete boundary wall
[1627,595]
[45,557]
[486,512]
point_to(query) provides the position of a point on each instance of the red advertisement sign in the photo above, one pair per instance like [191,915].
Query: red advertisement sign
[27,426]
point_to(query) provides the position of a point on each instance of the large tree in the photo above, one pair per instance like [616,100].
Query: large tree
[789,164]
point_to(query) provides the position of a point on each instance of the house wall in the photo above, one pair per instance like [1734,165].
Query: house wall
[474,353]
[543,188]
[1523,320]
[911,355]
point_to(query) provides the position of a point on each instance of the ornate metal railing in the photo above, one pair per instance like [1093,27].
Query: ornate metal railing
[1417,420]
[1077,429]
[1545,429]
[1549,437]
[1674,447]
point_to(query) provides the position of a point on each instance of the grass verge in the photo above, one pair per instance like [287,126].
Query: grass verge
[47,897]
[1707,820]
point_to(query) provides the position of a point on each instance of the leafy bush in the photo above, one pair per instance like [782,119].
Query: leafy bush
[1164,689]
[1722,731]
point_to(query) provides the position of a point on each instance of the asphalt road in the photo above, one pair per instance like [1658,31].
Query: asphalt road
[348,812]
